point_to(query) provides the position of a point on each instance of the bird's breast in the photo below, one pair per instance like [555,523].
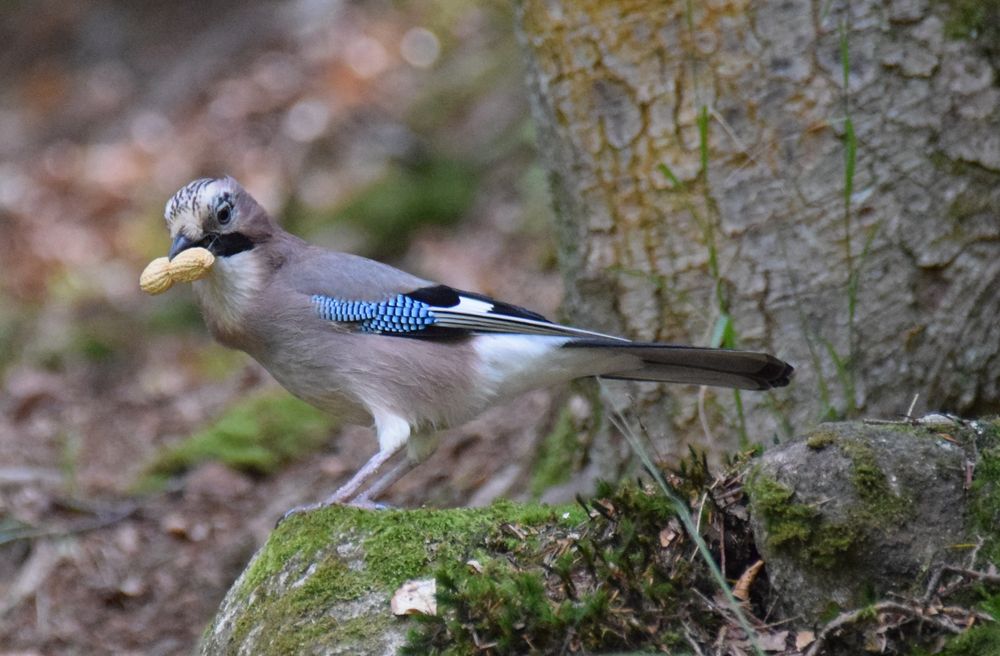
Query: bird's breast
[229,297]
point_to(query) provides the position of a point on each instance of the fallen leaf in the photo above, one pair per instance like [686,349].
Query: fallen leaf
[415,598]
[773,641]
[742,588]
[668,535]
[803,639]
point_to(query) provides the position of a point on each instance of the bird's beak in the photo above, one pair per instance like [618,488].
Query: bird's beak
[180,243]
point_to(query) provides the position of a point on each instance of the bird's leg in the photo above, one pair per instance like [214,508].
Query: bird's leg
[349,490]
[346,493]
[367,498]
[393,433]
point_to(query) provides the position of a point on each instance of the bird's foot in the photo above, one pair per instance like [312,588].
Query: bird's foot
[363,503]
[368,504]
[298,510]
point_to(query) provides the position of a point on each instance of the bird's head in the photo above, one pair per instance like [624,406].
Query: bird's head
[217,214]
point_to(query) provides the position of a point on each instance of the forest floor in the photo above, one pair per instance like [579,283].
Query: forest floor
[396,130]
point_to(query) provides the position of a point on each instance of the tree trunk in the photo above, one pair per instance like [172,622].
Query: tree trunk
[715,179]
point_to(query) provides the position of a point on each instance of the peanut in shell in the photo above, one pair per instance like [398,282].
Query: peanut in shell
[155,278]
[187,266]
[190,265]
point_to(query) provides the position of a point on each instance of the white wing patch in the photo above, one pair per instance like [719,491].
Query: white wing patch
[477,315]
[473,306]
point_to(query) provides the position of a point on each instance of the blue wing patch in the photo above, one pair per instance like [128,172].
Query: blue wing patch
[397,316]
[442,313]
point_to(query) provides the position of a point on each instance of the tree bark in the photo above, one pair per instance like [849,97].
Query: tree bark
[713,175]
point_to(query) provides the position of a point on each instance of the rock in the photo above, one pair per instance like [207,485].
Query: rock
[322,583]
[855,511]
[846,515]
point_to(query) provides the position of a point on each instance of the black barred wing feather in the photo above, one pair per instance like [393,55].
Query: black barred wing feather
[398,316]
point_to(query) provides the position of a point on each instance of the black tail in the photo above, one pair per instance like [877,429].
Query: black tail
[693,365]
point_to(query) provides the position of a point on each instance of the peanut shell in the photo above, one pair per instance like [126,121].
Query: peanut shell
[155,278]
[191,264]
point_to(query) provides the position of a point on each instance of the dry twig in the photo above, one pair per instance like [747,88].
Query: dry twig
[940,621]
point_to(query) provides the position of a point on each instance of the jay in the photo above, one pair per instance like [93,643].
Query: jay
[368,342]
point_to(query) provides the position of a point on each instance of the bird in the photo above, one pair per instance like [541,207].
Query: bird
[367,342]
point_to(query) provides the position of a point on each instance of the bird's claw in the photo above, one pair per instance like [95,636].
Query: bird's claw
[362,503]
[298,510]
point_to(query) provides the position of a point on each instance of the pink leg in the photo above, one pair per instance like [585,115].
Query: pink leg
[393,432]
[346,492]
[367,498]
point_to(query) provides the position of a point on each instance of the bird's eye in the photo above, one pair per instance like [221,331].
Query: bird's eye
[224,211]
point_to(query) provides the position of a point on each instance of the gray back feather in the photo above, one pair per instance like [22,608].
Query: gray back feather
[311,270]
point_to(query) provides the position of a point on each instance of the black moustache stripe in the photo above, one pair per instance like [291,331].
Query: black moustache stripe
[228,244]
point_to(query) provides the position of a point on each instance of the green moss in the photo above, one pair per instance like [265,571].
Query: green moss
[982,639]
[256,435]
[880,505]
[820,440]
[395,545]
[797,528]
[291,622]
[375,550]
[606,584]
[984,518]
[984,507]
[786,522]
[403,544]
[977,641]
[830,612]
[357,630]
[801,530]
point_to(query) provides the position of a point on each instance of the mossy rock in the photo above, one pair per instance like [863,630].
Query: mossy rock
[844,516]
[322,582]
[853,512]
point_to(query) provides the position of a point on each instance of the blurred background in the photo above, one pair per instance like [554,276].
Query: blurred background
[140,463]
